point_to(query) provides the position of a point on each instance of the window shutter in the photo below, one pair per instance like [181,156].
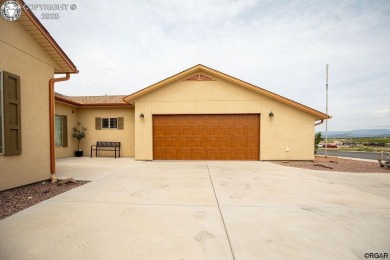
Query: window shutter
[98,123]
[121,123]
[12,122]
[64,131]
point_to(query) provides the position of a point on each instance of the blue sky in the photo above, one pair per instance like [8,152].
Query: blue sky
[282,46]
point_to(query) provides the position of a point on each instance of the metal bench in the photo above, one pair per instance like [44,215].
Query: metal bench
[106,146]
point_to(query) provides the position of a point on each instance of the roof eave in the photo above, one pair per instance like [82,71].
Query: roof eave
[163,82]
[51,40]
[73,103]
[107,105]
[66,101]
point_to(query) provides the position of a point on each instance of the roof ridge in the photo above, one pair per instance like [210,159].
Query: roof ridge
[57,93]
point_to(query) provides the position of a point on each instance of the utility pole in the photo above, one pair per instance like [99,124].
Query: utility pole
[326,120]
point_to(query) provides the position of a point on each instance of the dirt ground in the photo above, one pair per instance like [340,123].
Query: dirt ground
[337,165]
[17,199]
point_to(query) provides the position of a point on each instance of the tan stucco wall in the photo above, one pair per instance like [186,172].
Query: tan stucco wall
[71,113]
[21,55]
[86,116]
[289,128]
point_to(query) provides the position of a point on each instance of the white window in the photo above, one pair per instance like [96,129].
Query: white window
[58,130]
[61,130]
[111,122]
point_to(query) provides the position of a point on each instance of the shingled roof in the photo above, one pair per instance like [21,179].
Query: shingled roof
[116,100]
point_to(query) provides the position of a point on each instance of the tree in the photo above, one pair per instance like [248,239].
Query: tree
[79,133]
[317,140]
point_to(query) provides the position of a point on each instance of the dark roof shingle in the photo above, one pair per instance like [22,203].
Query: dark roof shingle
[93,100]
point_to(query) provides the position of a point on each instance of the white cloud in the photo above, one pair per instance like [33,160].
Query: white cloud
[383,113]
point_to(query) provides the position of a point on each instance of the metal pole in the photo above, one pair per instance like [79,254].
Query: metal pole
[326,120]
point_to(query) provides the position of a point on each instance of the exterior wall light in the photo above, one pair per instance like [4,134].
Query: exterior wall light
[141,115]
[271,114]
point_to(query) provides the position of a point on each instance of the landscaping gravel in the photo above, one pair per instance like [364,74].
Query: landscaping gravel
[17,199]
[338,165]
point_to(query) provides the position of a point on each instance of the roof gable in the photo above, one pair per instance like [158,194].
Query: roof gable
[201,68]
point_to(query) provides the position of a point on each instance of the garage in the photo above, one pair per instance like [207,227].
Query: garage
[203,114]
[206,137]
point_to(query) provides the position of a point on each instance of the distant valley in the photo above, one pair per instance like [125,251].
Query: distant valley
[358,133]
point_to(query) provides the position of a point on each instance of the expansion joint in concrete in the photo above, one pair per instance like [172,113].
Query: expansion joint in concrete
[220,212]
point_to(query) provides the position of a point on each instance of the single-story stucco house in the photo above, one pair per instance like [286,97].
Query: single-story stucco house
[29,58]
[197,114]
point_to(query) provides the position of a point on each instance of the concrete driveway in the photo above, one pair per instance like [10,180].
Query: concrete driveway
[203,210]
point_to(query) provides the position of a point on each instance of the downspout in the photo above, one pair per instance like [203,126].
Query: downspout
[316,124]
[53,176]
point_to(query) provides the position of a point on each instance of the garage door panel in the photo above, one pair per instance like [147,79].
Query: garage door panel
[224,143]
[223,130]
[184,153]
[252,131]
[160,143]
[206,137]
[198,153]
[225,154]
[239,131]
[188,130]
[161,129]
[188,120]
[199,143]
[200,131]
[222,120]
[159,152]
[212,154]
[243,153]
[200,119]
[186,143]
[172,120]
[173,143]
[159,121]
[252,142]
[170,153]
[253,153]
[212,142]
[239,143]
[173,130]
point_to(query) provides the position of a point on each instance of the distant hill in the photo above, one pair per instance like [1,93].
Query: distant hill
[358,133]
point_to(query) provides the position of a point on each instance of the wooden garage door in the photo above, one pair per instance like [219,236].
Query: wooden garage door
[206,137]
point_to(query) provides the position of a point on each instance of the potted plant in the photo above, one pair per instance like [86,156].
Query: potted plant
[78,133]
[317,140]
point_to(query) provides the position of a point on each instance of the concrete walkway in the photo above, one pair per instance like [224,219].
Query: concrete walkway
[203,210]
